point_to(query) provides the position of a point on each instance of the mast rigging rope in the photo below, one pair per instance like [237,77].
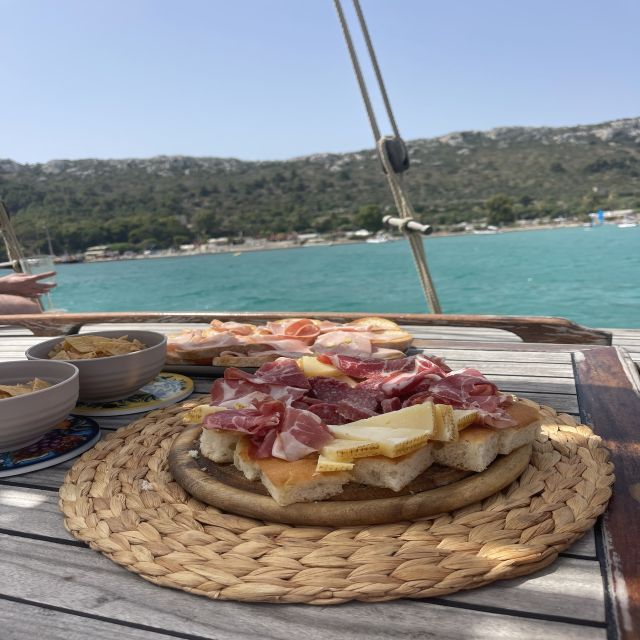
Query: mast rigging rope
[386,144]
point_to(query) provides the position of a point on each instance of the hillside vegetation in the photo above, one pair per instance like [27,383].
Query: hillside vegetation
[166,201]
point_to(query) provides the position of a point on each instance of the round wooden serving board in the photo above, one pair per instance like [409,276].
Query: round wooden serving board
[437,490]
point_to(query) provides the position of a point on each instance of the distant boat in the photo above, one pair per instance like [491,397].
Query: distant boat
[68,259]
[377,240]
[485,232]
[627,224]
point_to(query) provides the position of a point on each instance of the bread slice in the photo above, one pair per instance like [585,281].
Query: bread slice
[218,445]
[248,362]
[392,473]
[243,462]
[289,482]
[388,334]
[513,437]
[474,450]
[526,431]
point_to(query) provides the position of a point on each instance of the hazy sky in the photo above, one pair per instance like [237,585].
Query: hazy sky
[271,79]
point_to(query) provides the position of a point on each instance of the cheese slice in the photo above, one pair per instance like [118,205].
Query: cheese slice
[464,417]
[342,450]
[392,441]
[313,368]
[325,465]
[197,414]
[446,429]
[420,417]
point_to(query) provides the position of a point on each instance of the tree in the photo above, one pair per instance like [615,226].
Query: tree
[369,217]
[500,209]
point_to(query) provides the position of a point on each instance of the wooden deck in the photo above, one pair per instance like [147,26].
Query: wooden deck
[55,587]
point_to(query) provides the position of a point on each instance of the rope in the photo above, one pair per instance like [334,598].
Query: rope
[396,185]
[14,250]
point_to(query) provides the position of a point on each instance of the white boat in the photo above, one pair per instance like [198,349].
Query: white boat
[627,224]
[378,239]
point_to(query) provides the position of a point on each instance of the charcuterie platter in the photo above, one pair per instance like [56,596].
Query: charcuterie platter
[244,345]
[437,490]
[340,440]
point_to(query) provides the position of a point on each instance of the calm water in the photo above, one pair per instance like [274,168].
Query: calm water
[591,276]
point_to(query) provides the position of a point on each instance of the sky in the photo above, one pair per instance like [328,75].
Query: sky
[271,79]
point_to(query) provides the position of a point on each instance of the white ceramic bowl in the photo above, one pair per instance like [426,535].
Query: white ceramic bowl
[25,419]
[114,377]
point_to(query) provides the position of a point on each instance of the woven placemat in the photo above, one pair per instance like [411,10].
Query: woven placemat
[120,498]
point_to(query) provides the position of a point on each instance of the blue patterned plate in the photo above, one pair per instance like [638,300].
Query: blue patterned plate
[166,389]
[69,439]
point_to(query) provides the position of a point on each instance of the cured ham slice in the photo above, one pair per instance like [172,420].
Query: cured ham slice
[344,343]
[256,421]
[300,433]
[275,429]
[301,328]
[284,371]
[333,391]
[238,328]
[357,367]
[271,379]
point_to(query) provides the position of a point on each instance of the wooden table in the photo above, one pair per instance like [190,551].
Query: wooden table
[53,586]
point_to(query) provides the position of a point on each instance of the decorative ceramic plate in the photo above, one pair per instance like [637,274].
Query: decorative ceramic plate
[69,439]
[166,389]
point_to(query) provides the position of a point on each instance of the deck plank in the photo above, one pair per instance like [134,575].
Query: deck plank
[22,620]
[43,567]
[95,585]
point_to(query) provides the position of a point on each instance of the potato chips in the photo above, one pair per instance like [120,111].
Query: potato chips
[12,390]
[89,347]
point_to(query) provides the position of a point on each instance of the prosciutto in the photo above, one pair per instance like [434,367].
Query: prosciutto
[343,342]
[286,414]
[303,329]
[417,379]
[275,429]
[292,337]
[255,421]
[300,433]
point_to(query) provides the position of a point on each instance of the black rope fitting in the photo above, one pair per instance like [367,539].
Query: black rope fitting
[396,152]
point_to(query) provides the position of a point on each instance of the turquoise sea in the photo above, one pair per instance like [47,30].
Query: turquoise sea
[591,276]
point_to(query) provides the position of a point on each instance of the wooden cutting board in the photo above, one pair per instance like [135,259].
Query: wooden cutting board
[437,490]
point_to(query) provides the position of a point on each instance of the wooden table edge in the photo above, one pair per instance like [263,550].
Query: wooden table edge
[608,388]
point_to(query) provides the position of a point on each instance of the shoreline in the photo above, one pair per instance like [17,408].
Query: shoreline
[290,244]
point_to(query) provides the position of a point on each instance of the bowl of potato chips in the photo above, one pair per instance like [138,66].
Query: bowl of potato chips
[34,398]
[112,364]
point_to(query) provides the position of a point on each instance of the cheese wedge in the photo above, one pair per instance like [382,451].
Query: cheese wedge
[313,368]
[446,429]
[392,441]
[325,465]
[464,417]
[342,450]
[420,417]
[197,414]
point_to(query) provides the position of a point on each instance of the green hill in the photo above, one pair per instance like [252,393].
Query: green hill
[165,201]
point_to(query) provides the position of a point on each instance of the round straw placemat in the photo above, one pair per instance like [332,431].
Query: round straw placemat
[121,499]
